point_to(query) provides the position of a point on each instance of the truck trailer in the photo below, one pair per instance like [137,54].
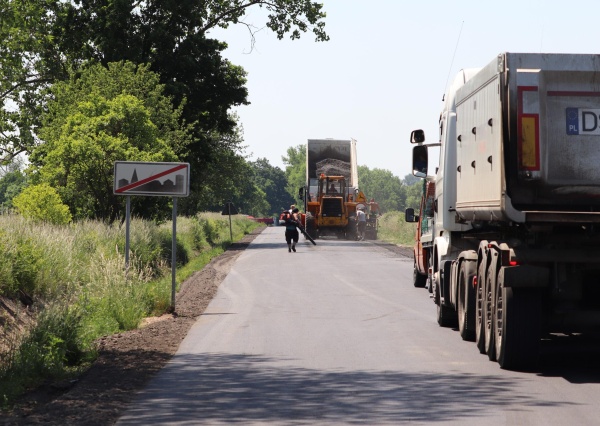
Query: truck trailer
[515,252]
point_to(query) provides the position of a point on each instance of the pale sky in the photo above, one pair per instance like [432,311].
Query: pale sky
[386,68]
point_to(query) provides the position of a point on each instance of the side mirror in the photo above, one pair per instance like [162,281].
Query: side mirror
[417,136]
[301,193]
[420,161]
[409,215]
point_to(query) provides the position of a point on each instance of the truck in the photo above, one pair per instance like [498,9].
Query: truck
[515,255]
[423,246]
[331,195]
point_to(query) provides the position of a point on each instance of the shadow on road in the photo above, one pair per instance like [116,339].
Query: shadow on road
[240,389]
[575,358]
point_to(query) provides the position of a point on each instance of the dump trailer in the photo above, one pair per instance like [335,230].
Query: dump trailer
[516,220]
[331,195]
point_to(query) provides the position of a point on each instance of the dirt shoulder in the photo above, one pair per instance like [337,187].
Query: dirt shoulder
[126,361]
[404,251]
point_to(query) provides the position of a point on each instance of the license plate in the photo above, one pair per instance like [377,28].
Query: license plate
[583,121]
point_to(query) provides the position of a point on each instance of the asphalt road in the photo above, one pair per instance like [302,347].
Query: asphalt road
[337,334]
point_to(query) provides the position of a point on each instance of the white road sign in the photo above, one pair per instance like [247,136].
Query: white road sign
[139,178]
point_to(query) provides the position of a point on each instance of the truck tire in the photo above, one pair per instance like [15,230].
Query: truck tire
[482,257]
[446,316]
[419,280]
[488,306]
[466,300]
[517,314]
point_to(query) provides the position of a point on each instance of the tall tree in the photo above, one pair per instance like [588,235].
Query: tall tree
[382,185]
[273,182]
[295,171]
[414,193]
[95,119]
[11,184]
[57,35]
[29,63]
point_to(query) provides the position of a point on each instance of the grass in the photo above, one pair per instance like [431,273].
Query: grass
[74,278]
[393,229]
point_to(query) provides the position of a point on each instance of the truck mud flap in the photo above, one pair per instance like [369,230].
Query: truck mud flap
[523,276]
[445,283]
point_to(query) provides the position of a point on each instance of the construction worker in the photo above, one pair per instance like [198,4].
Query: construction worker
[292,222]
[374,206]
[361,223]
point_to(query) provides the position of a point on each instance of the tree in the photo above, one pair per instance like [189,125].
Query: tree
[295,171]
[272,181]
[410,180]
[48,38]
[12,182]
[414,194]
[103,116]
[29,63]
[382,185]
[235,181]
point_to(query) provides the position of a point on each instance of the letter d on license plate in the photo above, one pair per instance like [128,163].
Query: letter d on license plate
[583,121]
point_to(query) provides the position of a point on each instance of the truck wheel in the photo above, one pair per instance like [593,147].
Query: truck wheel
[446,316]
[419,280]
[479,299]
[466,300]
[488,306]
[518,314]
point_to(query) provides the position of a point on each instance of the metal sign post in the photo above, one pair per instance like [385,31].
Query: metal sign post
[229,209]
[230,228]
[174,254]
[127,218]
[153,179]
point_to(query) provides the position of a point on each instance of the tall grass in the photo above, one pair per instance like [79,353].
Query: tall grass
[393,229]
[74,278]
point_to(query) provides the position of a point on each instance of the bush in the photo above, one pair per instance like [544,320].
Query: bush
[42,203]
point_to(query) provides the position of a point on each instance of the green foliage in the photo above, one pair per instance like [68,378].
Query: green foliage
[295,171]
[22,261]
[414,194]
[273,182]
[43,41]
[42,203]
[11,184]
[382,185]
[28,64]
[103,116]
[53,350]
[228,179]
[393,229]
